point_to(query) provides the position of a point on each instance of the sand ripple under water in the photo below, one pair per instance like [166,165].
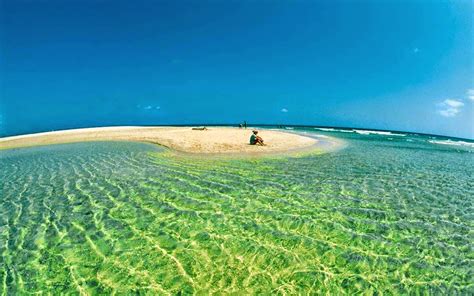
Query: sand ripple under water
[95,218]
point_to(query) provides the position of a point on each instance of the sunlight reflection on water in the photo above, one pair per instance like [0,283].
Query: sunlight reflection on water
[382,215]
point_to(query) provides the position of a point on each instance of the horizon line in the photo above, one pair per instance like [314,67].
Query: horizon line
[254,124]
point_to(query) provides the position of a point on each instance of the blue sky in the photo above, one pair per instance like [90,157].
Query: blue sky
[403,65]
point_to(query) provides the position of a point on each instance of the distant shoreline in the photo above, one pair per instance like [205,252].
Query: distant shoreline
[213,141]
[260,125]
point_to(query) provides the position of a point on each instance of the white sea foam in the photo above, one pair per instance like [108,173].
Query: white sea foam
[321,136]
[452,143]
[332,130]
[361,132]
[369,132]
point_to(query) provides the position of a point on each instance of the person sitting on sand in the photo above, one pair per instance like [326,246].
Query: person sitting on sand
[256,140]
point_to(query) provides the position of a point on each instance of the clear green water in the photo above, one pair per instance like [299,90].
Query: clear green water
[392,215]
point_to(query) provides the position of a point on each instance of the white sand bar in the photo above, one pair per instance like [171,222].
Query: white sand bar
[214,140]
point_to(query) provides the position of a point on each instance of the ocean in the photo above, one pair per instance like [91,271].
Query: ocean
[389,213]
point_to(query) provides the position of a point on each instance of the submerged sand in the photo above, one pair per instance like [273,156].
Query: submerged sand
[214,140]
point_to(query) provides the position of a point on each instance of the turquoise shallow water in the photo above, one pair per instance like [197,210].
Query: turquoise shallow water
[391,214]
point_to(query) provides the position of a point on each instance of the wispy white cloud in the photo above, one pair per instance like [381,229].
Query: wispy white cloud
[453,103]
[284,110]
[450,107]
[148,107]
[470,94]
[450,112]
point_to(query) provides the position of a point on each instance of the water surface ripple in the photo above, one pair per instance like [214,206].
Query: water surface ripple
[392,216]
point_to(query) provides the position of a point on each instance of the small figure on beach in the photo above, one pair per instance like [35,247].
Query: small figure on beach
[245,124]
[255,139]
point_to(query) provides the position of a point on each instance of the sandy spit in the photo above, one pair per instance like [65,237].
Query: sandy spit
[214,140]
